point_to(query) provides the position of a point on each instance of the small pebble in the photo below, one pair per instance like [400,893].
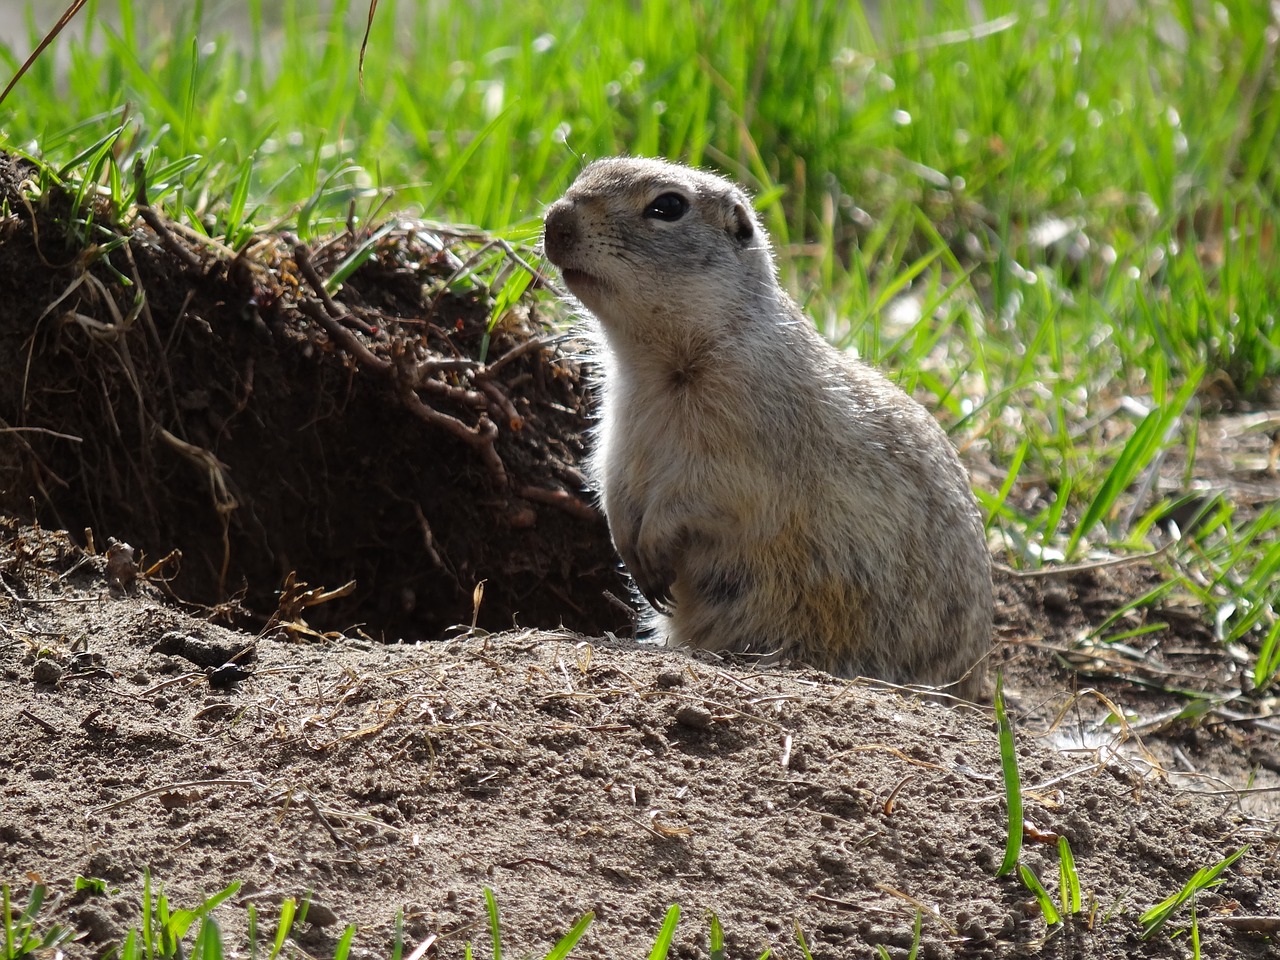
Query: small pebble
[695,717]
[671,678]
[974,930]
[46,670]
[318,915]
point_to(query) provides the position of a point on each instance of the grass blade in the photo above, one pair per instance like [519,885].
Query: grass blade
[1068,877]
[343,948]
[567,942]
[800,941]
[1012,781]
[1138,452]
[1032,883]
[491,906]
[715,937]
[288,910]
[662,945]
[352,261]
[1205,878]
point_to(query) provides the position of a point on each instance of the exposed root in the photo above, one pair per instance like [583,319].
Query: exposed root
[299,404]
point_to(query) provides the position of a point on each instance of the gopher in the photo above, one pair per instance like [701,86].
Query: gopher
[767,493]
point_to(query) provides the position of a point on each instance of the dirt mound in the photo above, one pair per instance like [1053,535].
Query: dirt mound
[566,774]
[162,389]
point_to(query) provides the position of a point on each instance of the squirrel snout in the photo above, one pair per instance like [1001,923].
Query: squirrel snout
[561,233]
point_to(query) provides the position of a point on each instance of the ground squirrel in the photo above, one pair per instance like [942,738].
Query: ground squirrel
[767,493]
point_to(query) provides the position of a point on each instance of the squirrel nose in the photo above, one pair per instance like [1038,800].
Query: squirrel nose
[561,233]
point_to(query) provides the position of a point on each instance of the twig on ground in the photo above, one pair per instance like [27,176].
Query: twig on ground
[315,810]
[926,908]
[1071,568]
[1249,924]
[171,788]
[44,725]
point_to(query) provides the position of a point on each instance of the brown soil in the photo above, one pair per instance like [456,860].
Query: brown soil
[566,773]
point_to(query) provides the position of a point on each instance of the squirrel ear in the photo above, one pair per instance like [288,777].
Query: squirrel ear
[743,227]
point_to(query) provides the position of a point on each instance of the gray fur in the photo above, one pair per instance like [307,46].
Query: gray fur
[767,493]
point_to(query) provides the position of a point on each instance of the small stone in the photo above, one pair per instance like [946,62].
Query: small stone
[171,642]
[972,929]
[46,670]
[122,571]
[318,915]
[671,678]
[201,652]
[694,717]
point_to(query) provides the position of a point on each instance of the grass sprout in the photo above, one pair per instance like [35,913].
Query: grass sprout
[1206,878]
[164,928]
[715,937]
[1069,901]
[1012,782]
[24,935]
[562,948]
[1069,879]
[167,932]
[1032,883]
[662,946]
[1139,453]
[800,941]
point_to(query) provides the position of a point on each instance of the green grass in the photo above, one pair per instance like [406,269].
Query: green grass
[914,951]
[1206,878]
[1058,226]
[24,933]
[164,932]
[1012,782]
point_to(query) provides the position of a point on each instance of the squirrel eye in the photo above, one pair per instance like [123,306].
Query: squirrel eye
[667,206]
